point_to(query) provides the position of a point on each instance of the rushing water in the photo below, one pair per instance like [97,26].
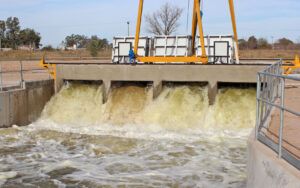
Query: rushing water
[177,140]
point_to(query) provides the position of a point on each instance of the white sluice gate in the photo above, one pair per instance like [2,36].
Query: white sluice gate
[172,46]
[219,48]
[122,45]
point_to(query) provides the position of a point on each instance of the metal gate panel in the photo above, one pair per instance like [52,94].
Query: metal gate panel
[172,46]
[210,41]
[144,47]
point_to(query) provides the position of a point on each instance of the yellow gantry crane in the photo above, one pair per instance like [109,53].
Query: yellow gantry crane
[196,21]
[288,66]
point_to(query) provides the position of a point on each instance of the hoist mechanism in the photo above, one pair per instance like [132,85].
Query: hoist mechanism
[197,21]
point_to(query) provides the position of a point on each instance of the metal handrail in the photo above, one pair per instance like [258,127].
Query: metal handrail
[281,76]
[21,70]
[58,58]
[24,70]
[269,82]
[278,106]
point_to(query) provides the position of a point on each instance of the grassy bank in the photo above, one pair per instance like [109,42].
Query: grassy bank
[18,54]
[269,53]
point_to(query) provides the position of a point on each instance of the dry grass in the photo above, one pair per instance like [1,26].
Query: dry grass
[269,53]
[19,54]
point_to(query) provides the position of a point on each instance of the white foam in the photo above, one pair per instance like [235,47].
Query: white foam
[136,140]
[176,109]
[4,176]
[51,167]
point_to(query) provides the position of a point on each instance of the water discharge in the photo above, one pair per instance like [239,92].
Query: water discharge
[176,140]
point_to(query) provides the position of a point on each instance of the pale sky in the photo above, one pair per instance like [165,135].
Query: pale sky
[55,19]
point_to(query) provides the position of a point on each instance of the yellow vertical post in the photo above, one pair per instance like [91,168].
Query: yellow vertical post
[194,27]
[200,29]
[231,6]
[138,27]
[42,62]
[48,67]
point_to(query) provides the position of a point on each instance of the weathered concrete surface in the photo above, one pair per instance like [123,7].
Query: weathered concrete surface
[158,73]
[23,106]
[264,169]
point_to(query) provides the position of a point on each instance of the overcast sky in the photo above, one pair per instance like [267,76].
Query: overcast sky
[55,19]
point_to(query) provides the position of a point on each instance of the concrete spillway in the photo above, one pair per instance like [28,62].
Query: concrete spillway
[157,74]
[176,108]
[159,126]
[175,140]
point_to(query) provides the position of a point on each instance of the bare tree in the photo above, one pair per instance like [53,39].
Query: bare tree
[164,21]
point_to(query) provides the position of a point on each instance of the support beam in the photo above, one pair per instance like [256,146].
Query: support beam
[59,82]
[157,88]
[200,30]
[232,13]
[173,59]
[194,29]
[138,27]
[106,89]
[212,92]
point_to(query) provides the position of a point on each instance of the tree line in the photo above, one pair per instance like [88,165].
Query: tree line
[13,36]
[93,44]
[262,43]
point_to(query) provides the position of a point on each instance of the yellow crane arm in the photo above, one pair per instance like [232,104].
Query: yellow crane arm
[196,21]
[232,13]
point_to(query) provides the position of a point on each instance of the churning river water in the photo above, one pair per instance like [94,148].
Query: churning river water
[176,140]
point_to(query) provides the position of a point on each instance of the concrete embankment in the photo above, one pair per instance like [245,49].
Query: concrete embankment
[265,169]
[23,106]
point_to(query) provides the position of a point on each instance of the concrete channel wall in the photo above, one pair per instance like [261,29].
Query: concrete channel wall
[23,106]
[265,169]
[159,73]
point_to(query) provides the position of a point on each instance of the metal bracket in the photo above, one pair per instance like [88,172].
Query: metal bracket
[290,66]
[49,67]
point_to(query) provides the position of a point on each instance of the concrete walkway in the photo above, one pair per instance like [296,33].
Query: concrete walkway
[291,129]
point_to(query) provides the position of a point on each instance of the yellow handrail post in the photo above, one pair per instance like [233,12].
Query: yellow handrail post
[47,67]
[42,62]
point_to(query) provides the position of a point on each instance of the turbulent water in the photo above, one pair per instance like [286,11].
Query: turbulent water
[176,140]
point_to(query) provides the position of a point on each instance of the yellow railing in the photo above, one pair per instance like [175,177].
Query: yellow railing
[49,67]
[290,66]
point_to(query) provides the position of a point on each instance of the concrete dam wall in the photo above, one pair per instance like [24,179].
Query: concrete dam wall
[23,106]
[156,74]
[165,118]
